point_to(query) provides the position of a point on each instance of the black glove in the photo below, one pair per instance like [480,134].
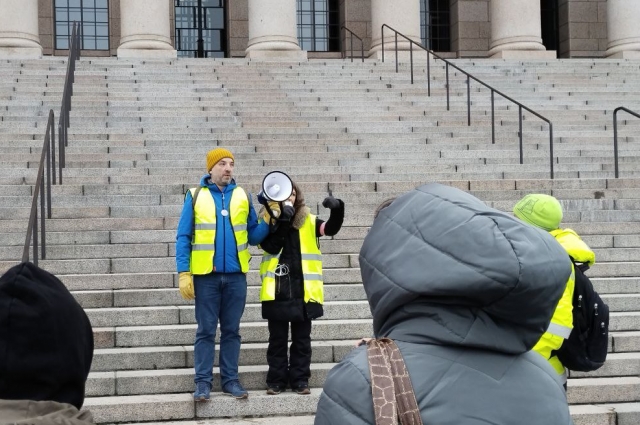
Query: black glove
[331,202]
[287,213]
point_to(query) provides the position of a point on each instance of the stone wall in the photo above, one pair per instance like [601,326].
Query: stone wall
[237,27]
[356,15]
[583,28]
[470,28]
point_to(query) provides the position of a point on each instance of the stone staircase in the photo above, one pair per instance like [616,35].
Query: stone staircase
[138,138]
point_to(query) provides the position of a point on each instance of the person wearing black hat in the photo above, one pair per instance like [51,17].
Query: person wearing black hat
[46,349]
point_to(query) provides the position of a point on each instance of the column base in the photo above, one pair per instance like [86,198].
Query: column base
[146,54]
[20,52]
[277,55]
[625,54]
[525,54]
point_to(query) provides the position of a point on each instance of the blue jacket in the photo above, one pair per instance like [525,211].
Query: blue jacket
[226,255]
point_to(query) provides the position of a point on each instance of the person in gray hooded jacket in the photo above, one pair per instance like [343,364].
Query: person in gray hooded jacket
[465,291]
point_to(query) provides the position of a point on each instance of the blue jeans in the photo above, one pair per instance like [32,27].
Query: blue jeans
[218,296]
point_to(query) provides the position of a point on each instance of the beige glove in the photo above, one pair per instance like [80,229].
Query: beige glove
[275,207]
[185,281]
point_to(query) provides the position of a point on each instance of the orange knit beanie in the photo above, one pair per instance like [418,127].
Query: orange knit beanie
[215,155]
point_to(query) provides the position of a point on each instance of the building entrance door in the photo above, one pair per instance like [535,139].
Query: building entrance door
[549,19]
[201,28]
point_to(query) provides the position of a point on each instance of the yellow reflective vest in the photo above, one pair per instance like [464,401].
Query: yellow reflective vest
[203,243]
[562,321]
[311,266]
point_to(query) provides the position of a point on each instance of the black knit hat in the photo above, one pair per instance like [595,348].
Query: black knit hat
[46,340]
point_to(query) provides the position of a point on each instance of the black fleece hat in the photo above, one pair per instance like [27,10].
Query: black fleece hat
[46,340]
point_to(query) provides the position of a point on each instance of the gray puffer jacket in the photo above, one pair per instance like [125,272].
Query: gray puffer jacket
[465,291]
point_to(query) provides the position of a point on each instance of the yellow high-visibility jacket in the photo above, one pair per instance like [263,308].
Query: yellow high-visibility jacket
[311,266]
[204,238]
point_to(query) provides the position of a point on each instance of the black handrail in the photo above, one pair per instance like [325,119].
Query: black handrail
[351,35]
[48,158]
[615,132]
[469,78]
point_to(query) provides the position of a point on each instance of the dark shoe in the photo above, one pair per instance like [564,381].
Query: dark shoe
[234,389]
[274,389]
[302,390]
[203,391]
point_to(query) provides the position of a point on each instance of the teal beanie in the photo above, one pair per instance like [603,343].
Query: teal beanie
[543,211]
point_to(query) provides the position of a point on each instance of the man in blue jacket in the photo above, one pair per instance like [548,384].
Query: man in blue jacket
[216,227]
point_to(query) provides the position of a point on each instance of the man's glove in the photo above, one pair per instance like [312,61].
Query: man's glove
[287,212]
[185,282]
[275,208]
[331,202]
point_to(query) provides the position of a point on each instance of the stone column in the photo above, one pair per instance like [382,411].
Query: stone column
[145,29]
[273,30]
[623,29]
[401,15]
[19,32]
[516,30]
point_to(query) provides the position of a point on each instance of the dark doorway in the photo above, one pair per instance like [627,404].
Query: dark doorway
[319,25]
[201,28]
[549,19]
[435,25]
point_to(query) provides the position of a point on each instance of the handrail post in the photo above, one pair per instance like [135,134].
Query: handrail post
[493,118]
[428,76]
[411,59]
[447,70]
[60,146]
[551,147]
[362,50]
[615,140]
[53,148]
[35,236]
[351,39]
[47,149]
[396,52]
[382,31]
[468,101]
[42,205]
[520,132]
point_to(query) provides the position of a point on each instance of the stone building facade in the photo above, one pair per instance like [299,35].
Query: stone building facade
[295,29]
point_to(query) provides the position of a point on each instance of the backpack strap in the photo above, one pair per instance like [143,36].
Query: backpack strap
[391,388]
[194,198]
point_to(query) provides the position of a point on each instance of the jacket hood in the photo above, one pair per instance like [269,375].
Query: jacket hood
[27,412]
[205,181]
[46,340]
[441,267]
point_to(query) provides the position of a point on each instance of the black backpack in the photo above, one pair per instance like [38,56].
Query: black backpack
[586,348]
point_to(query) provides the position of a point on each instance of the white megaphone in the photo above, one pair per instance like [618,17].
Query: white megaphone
[276,186]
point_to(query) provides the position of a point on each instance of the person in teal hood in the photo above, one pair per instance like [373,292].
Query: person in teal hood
[465,291]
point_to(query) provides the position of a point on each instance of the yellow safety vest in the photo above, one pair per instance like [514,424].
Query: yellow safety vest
[562,321]
[311,266]
[203,243]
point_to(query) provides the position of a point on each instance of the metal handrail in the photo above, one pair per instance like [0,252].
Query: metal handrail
[351,35]
[469,78]
[48,158]
[615,132]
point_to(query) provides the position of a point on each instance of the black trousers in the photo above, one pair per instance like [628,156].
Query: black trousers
[296,370]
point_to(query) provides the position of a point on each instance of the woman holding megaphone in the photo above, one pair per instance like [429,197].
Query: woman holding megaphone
[292,286]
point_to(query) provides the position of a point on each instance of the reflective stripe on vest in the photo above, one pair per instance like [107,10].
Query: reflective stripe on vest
[204,238]
[311,266]
[559,328]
